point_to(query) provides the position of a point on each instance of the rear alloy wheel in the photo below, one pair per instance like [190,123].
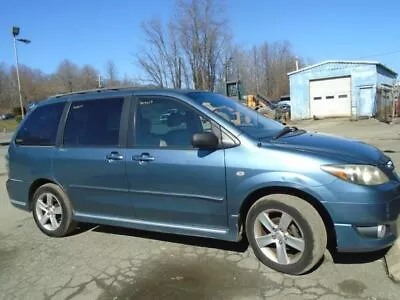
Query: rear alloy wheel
[49,211]
[52,211]
[286,233]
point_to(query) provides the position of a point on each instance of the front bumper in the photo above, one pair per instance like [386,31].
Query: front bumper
[349,239]
[352,207]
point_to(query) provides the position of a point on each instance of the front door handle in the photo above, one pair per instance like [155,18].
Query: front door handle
[144,157]
[113,156]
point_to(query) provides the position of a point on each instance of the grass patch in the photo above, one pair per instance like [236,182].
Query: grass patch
[8,125]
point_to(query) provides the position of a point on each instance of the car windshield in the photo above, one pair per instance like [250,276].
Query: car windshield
[245,119]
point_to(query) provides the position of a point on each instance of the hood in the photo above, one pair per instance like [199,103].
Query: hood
[350,151]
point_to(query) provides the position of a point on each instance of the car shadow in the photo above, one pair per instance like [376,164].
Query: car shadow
[242,246]
[357,258]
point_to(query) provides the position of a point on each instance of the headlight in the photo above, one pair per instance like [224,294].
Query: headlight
[359,174]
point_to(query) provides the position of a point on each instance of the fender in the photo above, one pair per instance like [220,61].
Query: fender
[239,193]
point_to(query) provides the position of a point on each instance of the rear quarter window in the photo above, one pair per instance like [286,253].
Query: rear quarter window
[41,125]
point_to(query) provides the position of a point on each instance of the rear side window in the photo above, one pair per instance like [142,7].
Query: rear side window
[40,128]
[93,123]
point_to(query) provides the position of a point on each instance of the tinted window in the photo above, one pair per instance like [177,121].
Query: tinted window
[40,128]
[165,122]
[93,123]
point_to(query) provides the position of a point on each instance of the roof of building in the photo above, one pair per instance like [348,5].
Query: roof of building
[344,62]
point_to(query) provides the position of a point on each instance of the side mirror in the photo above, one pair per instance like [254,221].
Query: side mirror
[205,140]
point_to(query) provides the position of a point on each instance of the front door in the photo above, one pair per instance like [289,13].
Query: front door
[90,163]
[365,104]
[170,181]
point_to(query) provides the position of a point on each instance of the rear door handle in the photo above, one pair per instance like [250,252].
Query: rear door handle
[144,157]
[113,156]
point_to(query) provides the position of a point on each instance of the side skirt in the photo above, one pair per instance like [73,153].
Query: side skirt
[189,230]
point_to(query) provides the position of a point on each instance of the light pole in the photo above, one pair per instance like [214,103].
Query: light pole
[15,32]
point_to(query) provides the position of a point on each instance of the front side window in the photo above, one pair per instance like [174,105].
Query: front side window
[40,128]
[93,123]
[165,122]
[242,117]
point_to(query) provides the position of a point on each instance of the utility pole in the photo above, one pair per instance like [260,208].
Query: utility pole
[394,95]
[99,81]
[18,80]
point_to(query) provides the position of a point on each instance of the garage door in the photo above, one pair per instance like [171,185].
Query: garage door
[330,97]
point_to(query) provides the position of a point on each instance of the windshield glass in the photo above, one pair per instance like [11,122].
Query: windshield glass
[242,117]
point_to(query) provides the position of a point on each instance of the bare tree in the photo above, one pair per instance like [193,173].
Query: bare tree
[68,75]
[89,77]
[8,88]
[161,58]
[263,69]
[187,50]
[111,74]
[127,81]
[204,35]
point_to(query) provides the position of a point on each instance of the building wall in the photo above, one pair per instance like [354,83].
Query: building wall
[385,77]
[362,76]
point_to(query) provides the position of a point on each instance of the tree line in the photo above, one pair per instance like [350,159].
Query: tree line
[68,77]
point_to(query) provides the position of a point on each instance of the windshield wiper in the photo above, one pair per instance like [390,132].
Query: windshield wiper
[285,131]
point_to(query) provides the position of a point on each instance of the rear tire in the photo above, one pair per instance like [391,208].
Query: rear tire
[286,233]
[52,211]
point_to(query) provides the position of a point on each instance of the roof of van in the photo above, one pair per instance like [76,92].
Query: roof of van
[122,89]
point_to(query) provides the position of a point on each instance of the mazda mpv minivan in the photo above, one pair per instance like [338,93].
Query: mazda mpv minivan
[197,163]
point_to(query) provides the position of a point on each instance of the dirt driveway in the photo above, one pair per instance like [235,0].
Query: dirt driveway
[109,263]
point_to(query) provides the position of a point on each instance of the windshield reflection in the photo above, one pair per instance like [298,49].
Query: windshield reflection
[242,117]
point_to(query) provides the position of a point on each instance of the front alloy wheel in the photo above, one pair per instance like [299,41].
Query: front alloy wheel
[286,233]
[279,237]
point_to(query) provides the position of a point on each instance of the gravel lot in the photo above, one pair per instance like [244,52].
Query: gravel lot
[100,262]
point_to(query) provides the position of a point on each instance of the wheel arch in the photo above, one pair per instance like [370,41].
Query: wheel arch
[37,184]
[318,206]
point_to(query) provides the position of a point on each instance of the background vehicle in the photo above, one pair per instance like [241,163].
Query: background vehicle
[104,157]
[164,117]
[7,116]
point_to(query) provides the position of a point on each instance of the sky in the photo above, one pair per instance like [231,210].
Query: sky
[92,32]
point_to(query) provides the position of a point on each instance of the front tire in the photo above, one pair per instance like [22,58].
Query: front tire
[52,211]
[286,233]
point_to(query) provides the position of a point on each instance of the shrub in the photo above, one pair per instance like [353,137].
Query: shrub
[18,118]
[17,110]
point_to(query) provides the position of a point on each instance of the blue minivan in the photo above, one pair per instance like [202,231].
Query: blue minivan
[197,163]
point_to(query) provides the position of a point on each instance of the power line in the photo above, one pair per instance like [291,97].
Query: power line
[380,54]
